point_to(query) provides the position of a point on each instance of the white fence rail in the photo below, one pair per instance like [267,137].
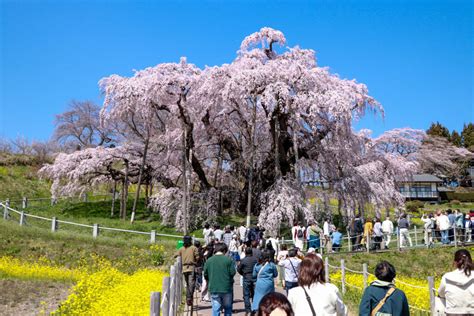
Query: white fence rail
[95,228]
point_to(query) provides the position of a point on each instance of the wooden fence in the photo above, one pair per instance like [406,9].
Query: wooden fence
[171,293]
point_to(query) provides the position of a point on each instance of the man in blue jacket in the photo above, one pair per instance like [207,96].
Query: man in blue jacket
[382,297]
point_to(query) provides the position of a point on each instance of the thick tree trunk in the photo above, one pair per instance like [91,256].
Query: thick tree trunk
[140,176]
[185,183]
[114,191]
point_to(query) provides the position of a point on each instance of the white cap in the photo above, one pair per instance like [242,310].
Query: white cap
[311,250]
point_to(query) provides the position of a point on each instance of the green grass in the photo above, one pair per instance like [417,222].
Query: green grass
[18,181]
[70,249]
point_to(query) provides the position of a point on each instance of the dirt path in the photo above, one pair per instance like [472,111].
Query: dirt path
[20,297]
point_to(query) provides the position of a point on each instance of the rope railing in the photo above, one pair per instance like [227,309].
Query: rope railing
[343,282]
[96,227]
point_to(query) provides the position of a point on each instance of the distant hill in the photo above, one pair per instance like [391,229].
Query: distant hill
[19,177]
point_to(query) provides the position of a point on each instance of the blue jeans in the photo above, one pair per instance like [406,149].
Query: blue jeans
[249,290]
[219,301]
[289,285]
[445,237]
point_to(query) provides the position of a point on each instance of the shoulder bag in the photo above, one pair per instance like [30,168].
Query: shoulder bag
[380,304]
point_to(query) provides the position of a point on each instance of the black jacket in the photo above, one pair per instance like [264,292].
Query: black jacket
[245,267]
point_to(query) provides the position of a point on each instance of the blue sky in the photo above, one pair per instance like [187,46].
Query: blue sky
[416,57]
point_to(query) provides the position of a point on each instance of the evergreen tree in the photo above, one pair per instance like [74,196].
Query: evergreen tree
[467,136]
[437,129]
[456,139]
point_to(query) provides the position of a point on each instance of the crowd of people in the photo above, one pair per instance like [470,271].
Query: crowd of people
[211,269]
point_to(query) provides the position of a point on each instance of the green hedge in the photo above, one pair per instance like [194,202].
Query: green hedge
[463,197]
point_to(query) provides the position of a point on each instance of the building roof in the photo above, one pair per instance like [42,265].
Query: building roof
[425,177]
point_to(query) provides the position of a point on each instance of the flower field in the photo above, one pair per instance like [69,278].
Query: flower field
[101,290]
[416,290]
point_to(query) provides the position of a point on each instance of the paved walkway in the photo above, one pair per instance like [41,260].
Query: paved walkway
[204,308]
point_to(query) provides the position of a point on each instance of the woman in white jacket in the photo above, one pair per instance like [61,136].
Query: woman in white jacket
[457,287]
[314,296]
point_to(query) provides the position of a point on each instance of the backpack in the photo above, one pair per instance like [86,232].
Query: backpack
[299,233]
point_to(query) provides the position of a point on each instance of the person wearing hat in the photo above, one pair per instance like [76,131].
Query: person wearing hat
[234,248]
[189,256]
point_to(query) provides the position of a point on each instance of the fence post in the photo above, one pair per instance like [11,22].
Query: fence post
[5,209]
[326,269]
[172,303]
[54,224]
[368,243]
[53,201]
[166,296]
[343,277]
[399,242]
[155,304]
[349,246]
[432,294]
[95,230]
[22,218]
[416,237]
[365,274]
[24,202]
[180,280]
[322,243]
[153,237]
[455,236]
[84,197]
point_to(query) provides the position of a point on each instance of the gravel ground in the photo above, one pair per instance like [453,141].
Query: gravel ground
[20,297]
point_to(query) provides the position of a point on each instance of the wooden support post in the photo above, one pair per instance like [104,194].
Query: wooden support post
[365,274]
[166,296]
[24,202]
[173,283]
[326,269]
[455,236]
[432,294]
[349,246]
[22,218]
[84,197]
[155,304]
[367,243]
[343,277]
[153,237]
[53,201]
[54,224]
[321,243]
[95,230]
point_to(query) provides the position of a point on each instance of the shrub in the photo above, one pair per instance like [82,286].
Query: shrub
[414,206]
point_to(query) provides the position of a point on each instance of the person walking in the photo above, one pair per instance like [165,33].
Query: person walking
[444,226]
[265,272]
[457,287]
[227,237]
[314,232]
[314,296]
[468,229]
[336,239]
[428,228]
[298,235]
[403,226]
[242,230]
[378,234]
[219,272]
[387,229]
[189,256]
[245,269]
[207,232]
[291,264]
[382,297]
[234,249]
[326,235]
[368,230]
[218,232]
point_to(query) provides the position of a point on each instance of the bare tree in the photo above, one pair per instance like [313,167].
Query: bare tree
[80,126]
[21,145]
